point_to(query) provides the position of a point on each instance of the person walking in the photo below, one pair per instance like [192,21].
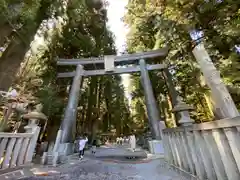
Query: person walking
[94,146]
[132,141]
[82,144]
[120,140]
[117,140]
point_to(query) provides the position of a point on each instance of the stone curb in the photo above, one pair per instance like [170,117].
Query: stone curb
[17,174]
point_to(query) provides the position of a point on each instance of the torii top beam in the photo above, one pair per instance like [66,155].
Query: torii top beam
[126,58]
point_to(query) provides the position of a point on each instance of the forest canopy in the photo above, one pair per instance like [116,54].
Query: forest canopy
[33,35]
[157,23]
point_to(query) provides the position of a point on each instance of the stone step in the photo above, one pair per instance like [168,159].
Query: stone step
[49,158]
[121,153]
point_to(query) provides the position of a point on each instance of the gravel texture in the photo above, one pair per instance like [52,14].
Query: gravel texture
[97,169]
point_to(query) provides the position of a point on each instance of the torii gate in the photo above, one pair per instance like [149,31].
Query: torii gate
[65,134]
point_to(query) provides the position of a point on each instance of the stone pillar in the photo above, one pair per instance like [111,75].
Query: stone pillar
[57,141]
[71,110]
[152,110]
[221,97]
[33,128]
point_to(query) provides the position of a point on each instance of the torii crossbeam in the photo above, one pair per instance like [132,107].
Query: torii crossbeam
[126,58]
[120,70]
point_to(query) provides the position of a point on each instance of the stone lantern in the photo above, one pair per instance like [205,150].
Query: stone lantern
[34,118]
[183,111]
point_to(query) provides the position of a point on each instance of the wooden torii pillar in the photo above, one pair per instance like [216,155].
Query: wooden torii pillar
[65,134]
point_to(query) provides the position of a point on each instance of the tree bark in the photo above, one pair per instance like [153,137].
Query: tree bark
[5,32]
[107,90]
[95,122]
[13,56]
[91,102]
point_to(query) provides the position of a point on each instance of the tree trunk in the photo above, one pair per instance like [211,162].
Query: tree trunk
[5,32]
[52,132]
[105,122]
[10,19]
[95,122]
[82,120]
[91,102]
[13,56]
[108,98]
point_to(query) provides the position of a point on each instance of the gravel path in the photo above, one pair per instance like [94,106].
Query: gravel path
[93,169]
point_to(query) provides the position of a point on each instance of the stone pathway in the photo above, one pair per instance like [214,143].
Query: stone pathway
[92,168]
[119,152]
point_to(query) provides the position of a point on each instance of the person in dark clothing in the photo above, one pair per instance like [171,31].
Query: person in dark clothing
[94,146]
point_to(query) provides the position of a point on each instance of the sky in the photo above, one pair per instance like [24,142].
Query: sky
[115,11]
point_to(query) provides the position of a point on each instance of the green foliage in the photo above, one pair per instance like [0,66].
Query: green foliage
[79,31]
[155,23]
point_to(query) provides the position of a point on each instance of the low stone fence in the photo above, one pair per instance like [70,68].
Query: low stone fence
[17,149]
[209,150]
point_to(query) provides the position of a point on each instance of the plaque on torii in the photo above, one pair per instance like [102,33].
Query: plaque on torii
[109,63]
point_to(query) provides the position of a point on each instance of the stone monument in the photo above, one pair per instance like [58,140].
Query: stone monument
[34,118]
